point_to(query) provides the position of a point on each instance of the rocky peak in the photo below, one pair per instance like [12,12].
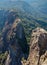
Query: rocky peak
[14,41]
[38,47]
[39,35]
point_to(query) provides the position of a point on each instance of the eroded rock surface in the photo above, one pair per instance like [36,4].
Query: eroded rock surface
[38,48]
[14,42]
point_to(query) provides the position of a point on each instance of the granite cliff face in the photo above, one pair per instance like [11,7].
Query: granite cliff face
[13,42]
[38,48]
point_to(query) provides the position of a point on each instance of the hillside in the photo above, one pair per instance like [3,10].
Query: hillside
[31,16]
[33,8]
[20,42]
[28,22]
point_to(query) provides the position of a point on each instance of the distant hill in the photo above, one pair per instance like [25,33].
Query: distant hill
[36,9]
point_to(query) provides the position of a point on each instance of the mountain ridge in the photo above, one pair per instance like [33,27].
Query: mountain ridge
[27,7]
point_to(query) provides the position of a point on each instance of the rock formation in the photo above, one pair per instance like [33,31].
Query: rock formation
[14,42]
[38,48]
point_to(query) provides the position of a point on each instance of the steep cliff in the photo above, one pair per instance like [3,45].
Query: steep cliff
[14,42]
[13,45]
[38,48]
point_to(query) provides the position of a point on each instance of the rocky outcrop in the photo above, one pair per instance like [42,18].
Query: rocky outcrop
[14,42]
[38,48]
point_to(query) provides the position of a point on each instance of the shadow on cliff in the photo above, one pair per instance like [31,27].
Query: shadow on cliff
[14,41]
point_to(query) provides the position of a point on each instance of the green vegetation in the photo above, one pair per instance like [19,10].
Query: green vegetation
[3,57]
[28,21]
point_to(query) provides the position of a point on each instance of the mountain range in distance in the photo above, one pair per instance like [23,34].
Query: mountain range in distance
[38,9]
[32,14]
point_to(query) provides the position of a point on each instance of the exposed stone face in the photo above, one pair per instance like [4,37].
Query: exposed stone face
[14,41]
[43,59]
[38,48]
